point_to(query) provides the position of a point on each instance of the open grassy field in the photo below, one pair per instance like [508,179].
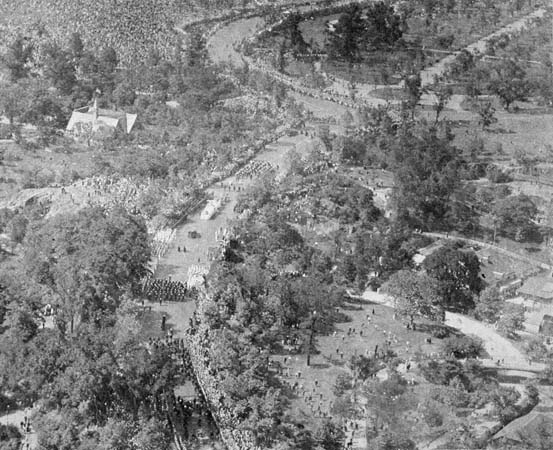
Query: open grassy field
[370,325]
[494,263]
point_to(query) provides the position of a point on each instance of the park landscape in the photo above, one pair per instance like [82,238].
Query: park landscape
[328,228]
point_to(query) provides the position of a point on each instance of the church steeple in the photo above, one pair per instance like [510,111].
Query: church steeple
[94,108]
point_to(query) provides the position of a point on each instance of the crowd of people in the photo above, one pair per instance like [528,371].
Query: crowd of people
[224,415]
[254,169]
[133,29]
[155,289]
[161,239]
[189,416]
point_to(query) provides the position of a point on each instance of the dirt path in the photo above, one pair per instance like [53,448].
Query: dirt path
[15,418]
[496,346]
[438,69]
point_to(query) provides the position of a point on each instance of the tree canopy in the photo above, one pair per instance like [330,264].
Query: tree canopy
[88,259]
[458,273]
[415,295]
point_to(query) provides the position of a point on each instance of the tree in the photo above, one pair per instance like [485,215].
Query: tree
[382,26]
[293,33]
[345,40]
[487,114]
[13,102]
[44,109]
[442,372]
[413,89]
[508,81]
[124,94]
[89,258]
[151,434]
[389,407]
[329,435]
[489,305]
[425,175]
[59,68]
[443,94]
[458,274]
[56,432]
[10,437]
[515,217]
[415,295]
[462,347]
[511,320]
[17,57]
[393,441]
[196,51]
[364,367]
[76,45]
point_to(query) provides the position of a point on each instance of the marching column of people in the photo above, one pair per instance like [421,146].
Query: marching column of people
[159,290]
[190,417]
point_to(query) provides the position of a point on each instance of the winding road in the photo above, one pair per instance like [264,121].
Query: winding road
[223,42]
[221,46]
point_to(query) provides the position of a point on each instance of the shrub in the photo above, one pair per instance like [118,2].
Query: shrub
[10,437]
[462,347]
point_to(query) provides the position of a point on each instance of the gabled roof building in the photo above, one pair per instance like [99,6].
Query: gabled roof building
[91,120]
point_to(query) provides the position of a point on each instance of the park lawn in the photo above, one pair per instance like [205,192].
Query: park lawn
[513,130]
[530,132]
[327,365]
[501,263]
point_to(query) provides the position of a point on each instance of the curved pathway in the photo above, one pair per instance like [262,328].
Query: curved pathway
[222,49]
[496,346]
[496,248]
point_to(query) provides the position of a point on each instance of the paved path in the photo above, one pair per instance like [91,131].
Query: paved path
[15,418]
[175,264]
[496,346]
[438,69]
[221,49]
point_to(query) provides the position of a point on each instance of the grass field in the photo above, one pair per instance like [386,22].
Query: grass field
[335,350]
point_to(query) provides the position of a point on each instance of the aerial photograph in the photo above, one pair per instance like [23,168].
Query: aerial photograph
[276,224]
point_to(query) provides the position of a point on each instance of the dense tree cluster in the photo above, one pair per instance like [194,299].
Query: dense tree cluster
[254,302]
[426,172]
[88,260]
[359,30]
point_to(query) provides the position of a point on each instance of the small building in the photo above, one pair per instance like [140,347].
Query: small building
[538,289]
[524,429]
[509,287]
[92,122]
[425,252]
[546,325]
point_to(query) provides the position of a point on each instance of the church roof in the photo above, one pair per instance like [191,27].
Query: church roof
[106,117]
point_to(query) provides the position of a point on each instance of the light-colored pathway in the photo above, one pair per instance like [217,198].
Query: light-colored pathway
[175,264]
[15,418]
[496,346]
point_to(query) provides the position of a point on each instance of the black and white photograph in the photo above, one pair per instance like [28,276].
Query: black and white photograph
[276,224]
